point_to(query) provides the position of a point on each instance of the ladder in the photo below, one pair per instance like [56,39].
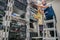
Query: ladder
[27,18]
[46,31]
[7,18]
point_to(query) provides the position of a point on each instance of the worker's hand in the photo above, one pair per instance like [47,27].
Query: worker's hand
[42,12]
[42,6]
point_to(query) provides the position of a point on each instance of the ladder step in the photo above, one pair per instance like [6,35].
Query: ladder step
[49,29]
[36,37]
[4,35]
[50,38]
[45,37]
[32,30]
[49,21]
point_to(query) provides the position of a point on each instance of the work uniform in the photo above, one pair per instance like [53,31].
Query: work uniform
[39,17]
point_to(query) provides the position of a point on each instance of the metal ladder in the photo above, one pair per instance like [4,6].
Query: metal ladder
[27,18]
[48,36]
[46,31]
[7,18]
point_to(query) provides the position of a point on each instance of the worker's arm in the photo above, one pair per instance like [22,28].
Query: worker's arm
[44,6]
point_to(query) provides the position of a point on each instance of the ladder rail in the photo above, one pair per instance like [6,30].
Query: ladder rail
[7,18]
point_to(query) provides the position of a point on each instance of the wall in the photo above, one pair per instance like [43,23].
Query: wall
[56,7]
